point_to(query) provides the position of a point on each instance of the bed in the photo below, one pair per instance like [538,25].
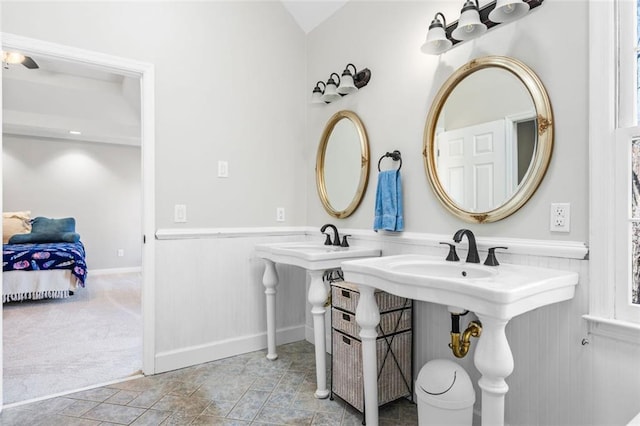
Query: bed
[44,270]
[49,261]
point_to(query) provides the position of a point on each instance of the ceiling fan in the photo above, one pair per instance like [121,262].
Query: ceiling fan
[18,58]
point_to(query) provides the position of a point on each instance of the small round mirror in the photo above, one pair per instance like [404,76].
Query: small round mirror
[342,164]
[488,139]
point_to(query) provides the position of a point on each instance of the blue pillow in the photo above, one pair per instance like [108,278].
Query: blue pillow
[45,237]
[47,225]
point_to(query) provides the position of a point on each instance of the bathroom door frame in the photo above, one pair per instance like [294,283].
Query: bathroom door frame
[145,72]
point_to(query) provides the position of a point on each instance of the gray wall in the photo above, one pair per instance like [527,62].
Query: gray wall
[98,184]
[386,38]
[229,86]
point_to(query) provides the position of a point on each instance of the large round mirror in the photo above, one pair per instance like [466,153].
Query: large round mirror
[488,139]
[342,164]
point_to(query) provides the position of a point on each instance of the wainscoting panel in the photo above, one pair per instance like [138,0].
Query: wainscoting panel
[210,298]
[613,393]
[210,304]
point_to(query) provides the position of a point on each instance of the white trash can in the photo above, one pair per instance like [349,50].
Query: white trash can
[445,394]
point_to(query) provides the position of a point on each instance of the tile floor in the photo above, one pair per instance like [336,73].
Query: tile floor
[246,389]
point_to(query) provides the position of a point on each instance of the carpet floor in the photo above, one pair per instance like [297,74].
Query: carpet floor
[60,345]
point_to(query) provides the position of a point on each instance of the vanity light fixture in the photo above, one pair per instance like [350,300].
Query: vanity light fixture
[330,92]
[346,81]
[316,95]
[474,21]
[337,87]
[508,10]
[437,41]
[469,25]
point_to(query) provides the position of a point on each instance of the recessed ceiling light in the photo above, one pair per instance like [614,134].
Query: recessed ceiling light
[75,132]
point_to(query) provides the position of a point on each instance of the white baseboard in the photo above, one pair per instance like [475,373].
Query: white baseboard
[114,271]
[173,360]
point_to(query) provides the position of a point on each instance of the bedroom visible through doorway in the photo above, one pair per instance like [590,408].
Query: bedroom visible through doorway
[76,138]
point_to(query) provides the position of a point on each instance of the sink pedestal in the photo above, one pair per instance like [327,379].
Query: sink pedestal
[317,297]
[494,360]
[315,259]
[270,281]
[368,317]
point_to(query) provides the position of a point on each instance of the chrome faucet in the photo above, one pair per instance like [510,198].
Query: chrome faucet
[336,236]
[472,254]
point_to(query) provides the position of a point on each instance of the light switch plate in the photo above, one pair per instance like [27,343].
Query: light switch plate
[180,213]
[223,169]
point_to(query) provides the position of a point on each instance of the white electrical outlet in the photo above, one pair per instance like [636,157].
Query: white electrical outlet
[223,169]
[280,214]
[180,213]
[560,217]
[120,252]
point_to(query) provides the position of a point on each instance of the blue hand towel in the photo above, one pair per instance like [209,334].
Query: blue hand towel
[388,209]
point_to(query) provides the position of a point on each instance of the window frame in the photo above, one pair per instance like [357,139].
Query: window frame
[624,138]
[612,127]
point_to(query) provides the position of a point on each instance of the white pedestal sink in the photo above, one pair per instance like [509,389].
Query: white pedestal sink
[316,259]
[494,293]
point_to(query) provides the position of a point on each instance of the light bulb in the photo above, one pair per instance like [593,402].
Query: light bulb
[12,57]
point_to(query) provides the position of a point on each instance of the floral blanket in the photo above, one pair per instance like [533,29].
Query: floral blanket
[45,256]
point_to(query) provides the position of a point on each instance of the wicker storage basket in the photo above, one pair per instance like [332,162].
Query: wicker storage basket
[393,382]
[345,296]
[346,322]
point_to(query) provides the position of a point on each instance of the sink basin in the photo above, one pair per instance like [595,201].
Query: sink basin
[438,269]
[311,248]
[502,291]
[312,256]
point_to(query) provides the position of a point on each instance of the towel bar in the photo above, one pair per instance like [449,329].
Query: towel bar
[395,156]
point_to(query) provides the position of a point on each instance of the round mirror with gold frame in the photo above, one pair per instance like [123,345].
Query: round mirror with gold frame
[488,139]
[342,164]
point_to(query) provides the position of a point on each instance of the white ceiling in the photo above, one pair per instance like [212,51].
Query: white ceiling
[309,14]
[61,96]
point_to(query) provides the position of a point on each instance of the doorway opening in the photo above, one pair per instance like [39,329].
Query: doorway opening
[142,74]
